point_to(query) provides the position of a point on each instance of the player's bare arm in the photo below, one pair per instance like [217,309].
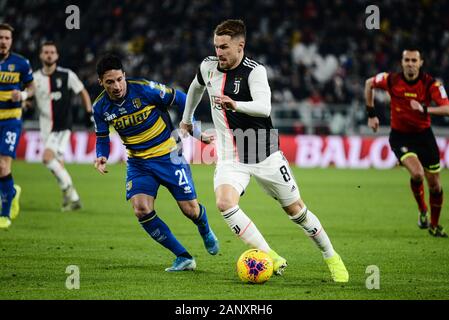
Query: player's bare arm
[100,165]
[17,95]
[373,120]
[437,111]
[87,103]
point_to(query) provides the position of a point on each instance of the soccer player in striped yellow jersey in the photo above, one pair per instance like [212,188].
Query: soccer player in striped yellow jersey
[16,85]
[138,111]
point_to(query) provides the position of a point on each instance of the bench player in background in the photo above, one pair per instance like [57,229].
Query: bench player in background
[138,110]
[16,85]
[411,137]
[54,88]
[248,145]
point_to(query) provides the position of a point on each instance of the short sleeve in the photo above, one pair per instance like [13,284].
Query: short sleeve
[160,93]
[27,72]
[438,94]
[75,83]
[380,81]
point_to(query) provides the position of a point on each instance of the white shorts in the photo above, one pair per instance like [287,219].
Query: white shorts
[273,175]
[57,142]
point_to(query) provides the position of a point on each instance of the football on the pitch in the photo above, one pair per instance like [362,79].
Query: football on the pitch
[254,266]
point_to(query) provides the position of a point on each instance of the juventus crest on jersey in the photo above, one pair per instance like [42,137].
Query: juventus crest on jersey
[53,95]
[240,136]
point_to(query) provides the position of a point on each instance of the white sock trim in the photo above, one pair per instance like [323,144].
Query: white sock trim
[230,210]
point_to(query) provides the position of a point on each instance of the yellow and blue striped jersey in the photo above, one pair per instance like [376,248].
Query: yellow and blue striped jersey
[140,118]
[15,71]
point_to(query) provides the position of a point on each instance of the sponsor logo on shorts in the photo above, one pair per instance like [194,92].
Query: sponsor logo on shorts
[129,185]
[404,149]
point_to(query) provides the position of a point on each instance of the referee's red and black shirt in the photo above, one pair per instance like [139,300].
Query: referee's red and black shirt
[424,89]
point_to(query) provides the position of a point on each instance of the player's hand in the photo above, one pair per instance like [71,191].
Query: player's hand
[207,138]
[26,105]
[416,106]
[16,96]
[100,165]
[186,129]
[226,103]
[373,123]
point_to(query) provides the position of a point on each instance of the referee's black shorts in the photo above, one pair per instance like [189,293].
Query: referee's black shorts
[420,144]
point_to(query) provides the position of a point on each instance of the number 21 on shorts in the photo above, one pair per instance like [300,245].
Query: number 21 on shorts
[182,177]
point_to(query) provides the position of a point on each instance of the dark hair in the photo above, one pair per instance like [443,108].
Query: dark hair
[6,26]
[48,43]
[108,62]
[412,47]
[232,28]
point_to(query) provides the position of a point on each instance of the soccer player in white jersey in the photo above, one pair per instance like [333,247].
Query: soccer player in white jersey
[248,145]
[54,88]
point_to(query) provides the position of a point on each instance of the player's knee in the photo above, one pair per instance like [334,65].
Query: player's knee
[5,168]
[141,209]
[418,176]
[224,204]
[294,208]
[190,209]
[47,157]
[434,187]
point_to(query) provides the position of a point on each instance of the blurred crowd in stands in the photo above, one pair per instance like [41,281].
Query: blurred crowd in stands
[318,52]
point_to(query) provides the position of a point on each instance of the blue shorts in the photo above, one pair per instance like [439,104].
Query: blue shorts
[146,175]
[10,135]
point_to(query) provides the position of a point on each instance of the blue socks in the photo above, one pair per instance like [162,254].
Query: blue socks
[7,192]
[160,232]
[201,222]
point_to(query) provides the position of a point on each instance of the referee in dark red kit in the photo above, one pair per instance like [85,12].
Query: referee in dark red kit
[411,137]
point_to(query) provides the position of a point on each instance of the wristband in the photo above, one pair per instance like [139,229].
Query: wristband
[23,95]
[370,111]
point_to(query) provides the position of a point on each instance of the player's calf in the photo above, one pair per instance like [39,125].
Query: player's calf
[197,213]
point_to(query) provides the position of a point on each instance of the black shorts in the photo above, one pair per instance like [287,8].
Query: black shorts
[421,144]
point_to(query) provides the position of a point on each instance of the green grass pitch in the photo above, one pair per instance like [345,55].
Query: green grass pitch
[369,215]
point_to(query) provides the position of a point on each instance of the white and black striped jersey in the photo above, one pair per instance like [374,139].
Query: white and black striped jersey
[53,96]
[246,135]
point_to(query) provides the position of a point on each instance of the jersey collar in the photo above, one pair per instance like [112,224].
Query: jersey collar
[412,82]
